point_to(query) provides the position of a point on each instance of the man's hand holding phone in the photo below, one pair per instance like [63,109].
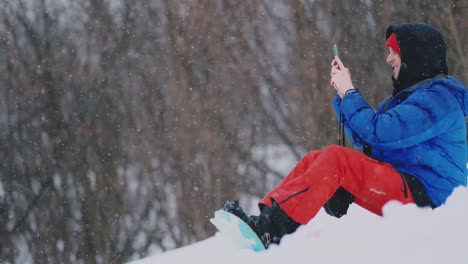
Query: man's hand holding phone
[340,75]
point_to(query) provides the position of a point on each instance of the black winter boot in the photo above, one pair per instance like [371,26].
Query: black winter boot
[270,226]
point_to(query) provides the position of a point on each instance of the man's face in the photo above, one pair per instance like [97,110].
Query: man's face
[395,61]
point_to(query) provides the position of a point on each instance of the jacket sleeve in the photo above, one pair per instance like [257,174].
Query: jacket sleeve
[353,136]
[426,113]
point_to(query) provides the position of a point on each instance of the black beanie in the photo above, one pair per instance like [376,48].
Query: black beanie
[423,53]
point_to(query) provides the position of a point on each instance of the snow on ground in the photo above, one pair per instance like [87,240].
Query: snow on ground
[406,234]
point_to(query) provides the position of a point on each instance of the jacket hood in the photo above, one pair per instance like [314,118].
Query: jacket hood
[423,53]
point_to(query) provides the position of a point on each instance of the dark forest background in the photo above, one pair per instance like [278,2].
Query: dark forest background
[125,123]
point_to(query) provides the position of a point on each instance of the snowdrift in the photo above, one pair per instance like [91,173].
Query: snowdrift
[406,234]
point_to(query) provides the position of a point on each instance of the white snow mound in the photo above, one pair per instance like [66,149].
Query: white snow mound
[406,234]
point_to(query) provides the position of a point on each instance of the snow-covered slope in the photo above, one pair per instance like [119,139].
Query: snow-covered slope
[406,234]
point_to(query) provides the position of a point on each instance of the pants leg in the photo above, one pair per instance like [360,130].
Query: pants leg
[319,174]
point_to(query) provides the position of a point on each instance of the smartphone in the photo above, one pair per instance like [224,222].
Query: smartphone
[335,50]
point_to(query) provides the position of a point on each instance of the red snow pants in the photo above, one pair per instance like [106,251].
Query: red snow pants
[315,179]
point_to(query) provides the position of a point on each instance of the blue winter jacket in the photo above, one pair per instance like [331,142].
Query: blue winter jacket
[424,135]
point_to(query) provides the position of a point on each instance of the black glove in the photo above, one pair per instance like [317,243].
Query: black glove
[339,203]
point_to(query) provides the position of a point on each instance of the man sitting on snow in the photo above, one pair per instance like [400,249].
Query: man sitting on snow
[415,142]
